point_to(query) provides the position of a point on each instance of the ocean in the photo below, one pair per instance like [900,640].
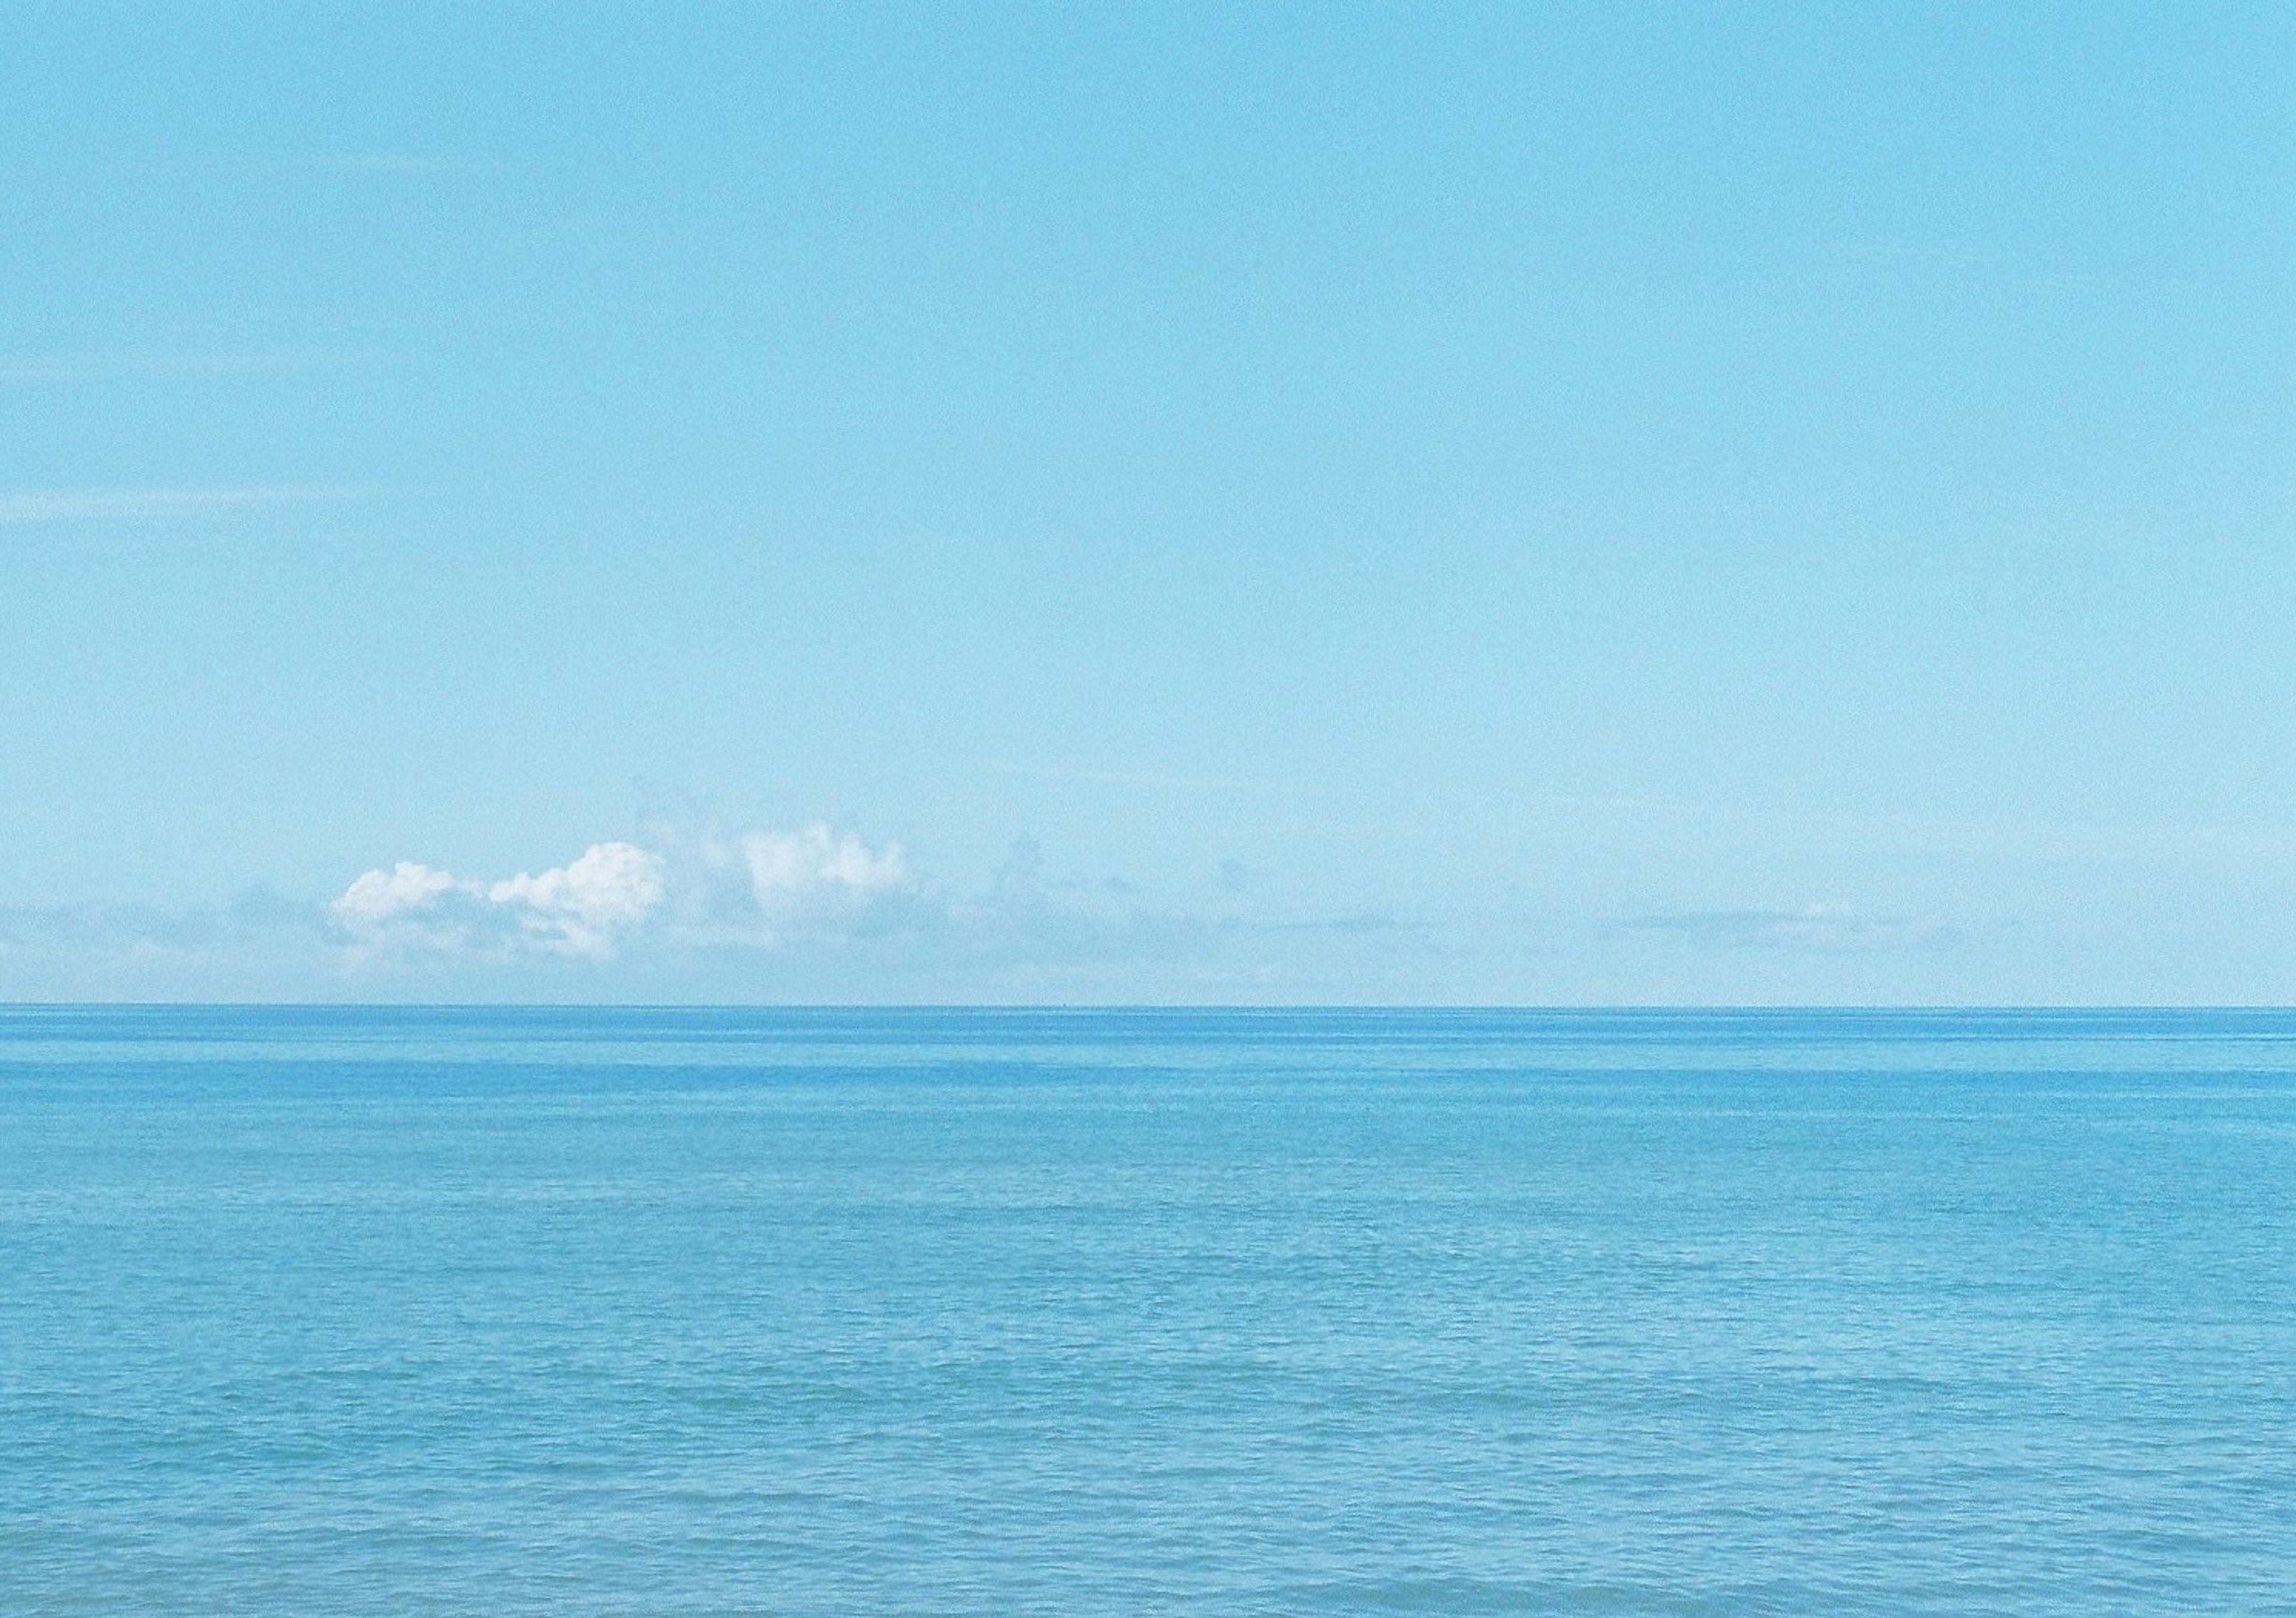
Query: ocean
[316,1312]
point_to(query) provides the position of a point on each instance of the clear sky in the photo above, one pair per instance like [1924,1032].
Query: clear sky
[1539,504]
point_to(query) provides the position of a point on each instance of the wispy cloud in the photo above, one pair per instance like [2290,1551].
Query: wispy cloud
[1357,924]
[136,366]
[123,505]
[1816,927]
[400,162]
[111,927]
[1147,780]
[1029,915]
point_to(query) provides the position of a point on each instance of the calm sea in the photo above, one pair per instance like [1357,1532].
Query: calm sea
[440,1311]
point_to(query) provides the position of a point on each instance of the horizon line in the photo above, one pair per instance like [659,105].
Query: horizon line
[1367,1007]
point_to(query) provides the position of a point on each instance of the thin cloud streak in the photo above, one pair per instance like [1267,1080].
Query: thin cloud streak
[127,505]
[1148,780]
[1817,927]
[65,368]
[401,162]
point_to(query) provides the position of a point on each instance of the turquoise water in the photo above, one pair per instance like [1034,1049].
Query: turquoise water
[683,1312]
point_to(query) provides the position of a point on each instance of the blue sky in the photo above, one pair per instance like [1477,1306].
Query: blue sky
[1240,504]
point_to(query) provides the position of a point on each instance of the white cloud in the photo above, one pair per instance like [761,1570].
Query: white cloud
[759,889]
[375,897]
[579,908]
[815,891]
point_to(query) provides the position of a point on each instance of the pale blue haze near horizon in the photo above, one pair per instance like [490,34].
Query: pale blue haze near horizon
[1507,504]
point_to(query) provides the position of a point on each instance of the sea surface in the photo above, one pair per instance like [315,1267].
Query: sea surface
[685,1311]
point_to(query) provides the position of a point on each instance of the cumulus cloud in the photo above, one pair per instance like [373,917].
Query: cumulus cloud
[580,908]
[379,896]
[817,893]
[758,888]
